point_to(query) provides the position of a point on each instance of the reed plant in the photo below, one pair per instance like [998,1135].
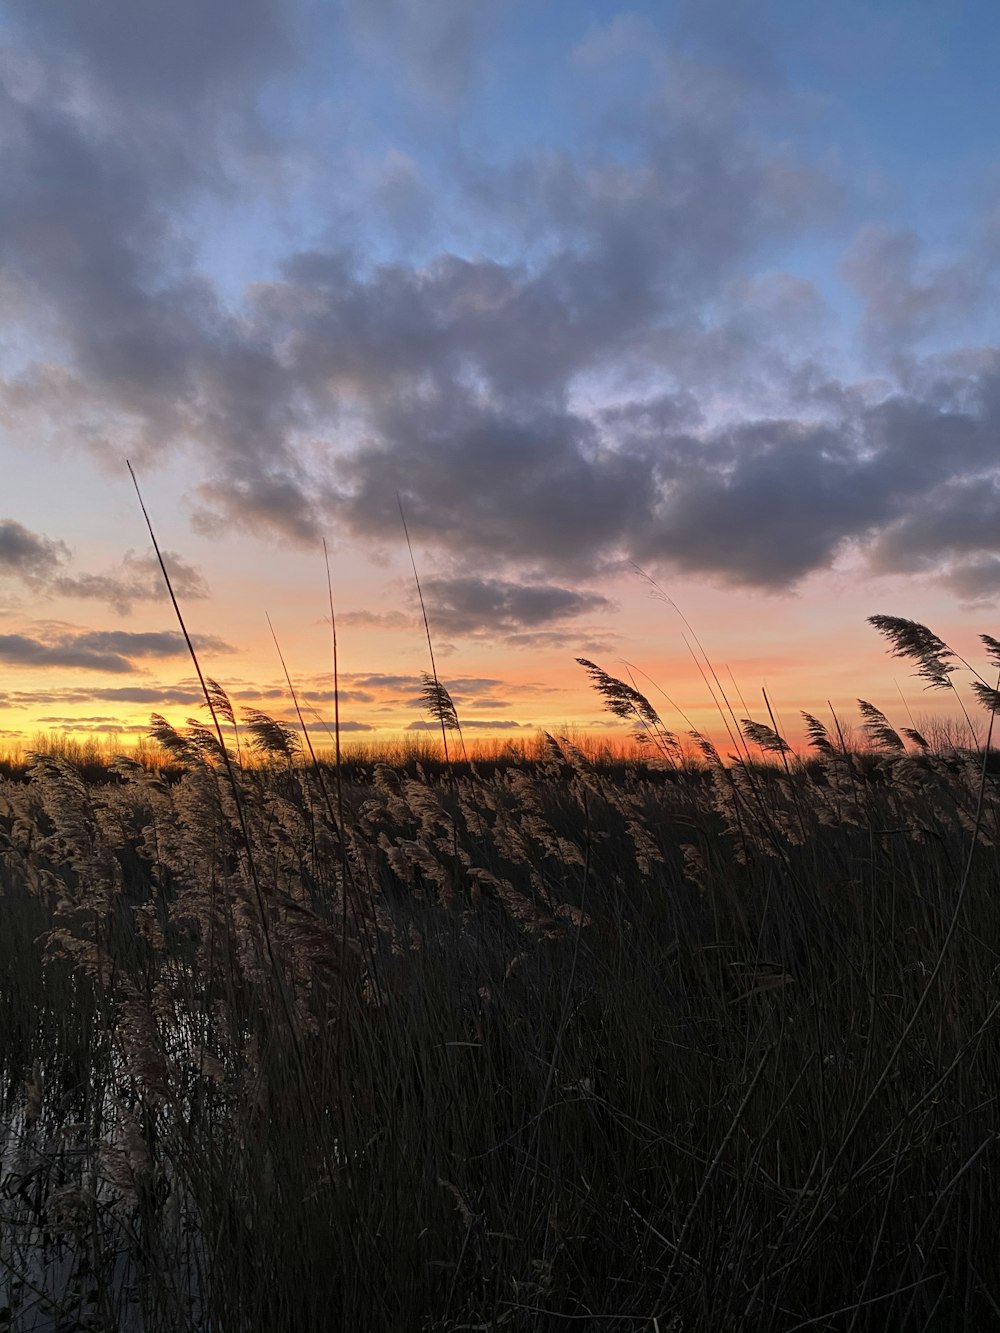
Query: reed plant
[679,1044]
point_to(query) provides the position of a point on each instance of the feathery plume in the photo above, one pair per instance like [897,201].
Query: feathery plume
[878,729]
[819,737]
[626,702]
[987,695]
[908,638]
[916,738]
[623,700]
[169,738]
[218,700]
[438,702]
[992,648]
[270,737]
[759,733]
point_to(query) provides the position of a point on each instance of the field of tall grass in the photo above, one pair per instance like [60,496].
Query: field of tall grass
[699,1043]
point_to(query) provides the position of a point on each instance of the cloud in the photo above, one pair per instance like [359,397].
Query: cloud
[97,726]
[954,528]
[907,296]
[626,37]
[581,640]
[117,694]
[102,728]
[382,681]
[26,554]
[184,60]
[975,580]
[138,578]
[461,605]
[460,371]
[182,694]
[98,650]
[311,723]
[345,696]
[393,685]
[117,117]
[58,720]
[433,43]
[733,36]
[19,650]
[378,619]
[597,363]
[357,726]
[157,643]
[41,563]
[473,724]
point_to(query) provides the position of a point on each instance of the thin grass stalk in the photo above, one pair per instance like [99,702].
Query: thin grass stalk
[302,723]
[733,730]
[336,696]
[276,970]
[427,627]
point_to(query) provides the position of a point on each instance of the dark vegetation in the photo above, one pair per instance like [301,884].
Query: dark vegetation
[688,1045]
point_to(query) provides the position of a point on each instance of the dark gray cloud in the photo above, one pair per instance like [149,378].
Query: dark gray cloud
[345,696]
[58,720]
[385,683]
[472,724]
[460,605]
[382,681]
[28,555]
[640,384]
[157,695]
[117,694]
[183,60]
[102,728]
[94,726]
[156,643]
[462,369]
[20,650]
[114,651]
[976,579]
[953,529]
[117,119]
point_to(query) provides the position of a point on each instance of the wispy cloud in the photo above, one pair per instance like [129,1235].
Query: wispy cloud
[392,620]
[137,578]
[433,41]
[43,564]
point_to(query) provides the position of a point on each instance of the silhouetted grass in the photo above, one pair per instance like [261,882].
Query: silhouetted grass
[536,1044]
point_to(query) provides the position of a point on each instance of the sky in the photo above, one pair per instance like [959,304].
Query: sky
[706,290]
